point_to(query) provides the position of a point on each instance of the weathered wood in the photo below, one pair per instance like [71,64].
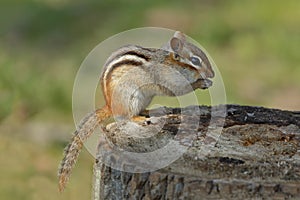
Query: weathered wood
[231,152]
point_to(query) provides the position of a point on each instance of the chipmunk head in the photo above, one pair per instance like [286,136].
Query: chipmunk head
[190,54]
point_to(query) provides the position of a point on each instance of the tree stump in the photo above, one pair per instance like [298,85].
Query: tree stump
[229,152]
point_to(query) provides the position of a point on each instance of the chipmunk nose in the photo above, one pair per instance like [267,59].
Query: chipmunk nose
[210,74]
[207,72]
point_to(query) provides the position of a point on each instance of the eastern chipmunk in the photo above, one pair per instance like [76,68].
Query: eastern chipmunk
[131,77]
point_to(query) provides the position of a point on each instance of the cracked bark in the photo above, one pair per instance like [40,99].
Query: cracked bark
[230,152]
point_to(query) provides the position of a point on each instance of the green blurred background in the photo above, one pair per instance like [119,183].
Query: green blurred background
[255,44]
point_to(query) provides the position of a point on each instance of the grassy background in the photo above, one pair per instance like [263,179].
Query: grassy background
[255,44]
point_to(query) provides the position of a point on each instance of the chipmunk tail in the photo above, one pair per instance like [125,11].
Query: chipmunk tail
[86,127]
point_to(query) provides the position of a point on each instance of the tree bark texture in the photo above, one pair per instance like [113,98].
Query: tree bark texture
[231,152]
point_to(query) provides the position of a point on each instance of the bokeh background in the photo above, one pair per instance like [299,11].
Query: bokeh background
[254,43]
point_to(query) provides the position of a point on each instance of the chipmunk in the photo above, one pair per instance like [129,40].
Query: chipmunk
[131,77]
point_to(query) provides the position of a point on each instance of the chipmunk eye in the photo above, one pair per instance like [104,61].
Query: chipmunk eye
[195,61]
[176,56]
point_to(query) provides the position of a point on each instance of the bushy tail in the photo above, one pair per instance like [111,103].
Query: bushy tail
[86,127]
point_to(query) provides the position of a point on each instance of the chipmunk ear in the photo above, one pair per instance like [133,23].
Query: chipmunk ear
[180,36]
[177,41]
[176,44]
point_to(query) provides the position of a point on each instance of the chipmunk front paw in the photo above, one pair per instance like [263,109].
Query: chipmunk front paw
[202,84]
